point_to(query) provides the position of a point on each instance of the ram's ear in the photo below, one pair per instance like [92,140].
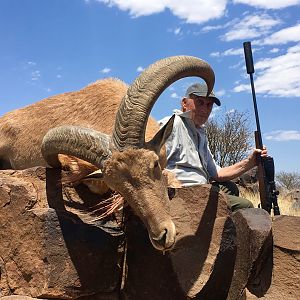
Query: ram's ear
[161,136]
[172,181]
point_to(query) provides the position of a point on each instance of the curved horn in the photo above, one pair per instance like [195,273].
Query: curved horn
[84,143]
[134,110]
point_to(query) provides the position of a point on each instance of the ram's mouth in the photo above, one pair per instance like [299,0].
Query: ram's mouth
[161,247]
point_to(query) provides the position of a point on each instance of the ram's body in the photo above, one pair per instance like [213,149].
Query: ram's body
[22,130]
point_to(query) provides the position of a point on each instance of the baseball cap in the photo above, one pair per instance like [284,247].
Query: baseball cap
[200,89]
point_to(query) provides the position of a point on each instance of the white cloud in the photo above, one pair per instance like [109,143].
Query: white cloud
[214,112]
[177,31]
[252,26]
[231,111]
[35,75]
[242,88]
[278,76]
[105,70]
[197,11]
[175,96]
[283,135]
[211,28]
[228,52]
[58,76]
[137,8]
[289,34]
[274,50]
[237,65]
[192,11]
[220,93]
[215,54]
[229,24]
[269,4]
[140,69]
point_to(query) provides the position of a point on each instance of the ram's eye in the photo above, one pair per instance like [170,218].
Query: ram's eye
[156,164]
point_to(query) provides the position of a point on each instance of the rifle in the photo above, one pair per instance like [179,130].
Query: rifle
[266,168]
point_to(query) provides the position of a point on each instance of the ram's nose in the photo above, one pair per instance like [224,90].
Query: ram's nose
[166,237]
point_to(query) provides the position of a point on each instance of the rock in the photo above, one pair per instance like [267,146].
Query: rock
[294,197]
[47,251]
[286,258]
[52,247]
[202,258]
[17,298]
[205,252]
[248,178]
[253,265]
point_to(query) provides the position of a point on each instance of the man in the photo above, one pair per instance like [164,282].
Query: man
[188,155]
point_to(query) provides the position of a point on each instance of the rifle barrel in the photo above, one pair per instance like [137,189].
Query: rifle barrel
[248,57]
[250,71]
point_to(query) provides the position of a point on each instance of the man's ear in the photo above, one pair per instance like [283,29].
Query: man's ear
[161,136]
[183,104]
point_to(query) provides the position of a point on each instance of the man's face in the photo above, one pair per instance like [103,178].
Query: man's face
[200,108]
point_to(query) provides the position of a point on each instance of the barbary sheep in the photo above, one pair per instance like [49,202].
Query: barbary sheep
[105,125]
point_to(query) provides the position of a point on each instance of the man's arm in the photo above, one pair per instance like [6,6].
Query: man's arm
[233,171]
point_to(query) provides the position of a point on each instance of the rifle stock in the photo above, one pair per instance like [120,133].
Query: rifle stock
[261,177]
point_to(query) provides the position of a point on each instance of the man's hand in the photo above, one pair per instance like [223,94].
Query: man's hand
[233,171]
[253,161]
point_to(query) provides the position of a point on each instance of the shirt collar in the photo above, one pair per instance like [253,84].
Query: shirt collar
[187,115]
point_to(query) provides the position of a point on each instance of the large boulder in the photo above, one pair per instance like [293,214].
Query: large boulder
[286,260]
[202,258]
[254,260]
[47,251]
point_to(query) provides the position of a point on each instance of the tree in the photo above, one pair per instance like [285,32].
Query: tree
[288,180]
[230,137]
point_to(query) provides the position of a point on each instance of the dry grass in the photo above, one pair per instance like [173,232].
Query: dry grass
[286,202]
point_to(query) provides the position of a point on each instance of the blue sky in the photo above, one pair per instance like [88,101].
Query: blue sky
[55,46]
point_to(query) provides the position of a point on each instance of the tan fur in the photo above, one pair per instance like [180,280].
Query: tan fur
[172,181]
[95,106]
